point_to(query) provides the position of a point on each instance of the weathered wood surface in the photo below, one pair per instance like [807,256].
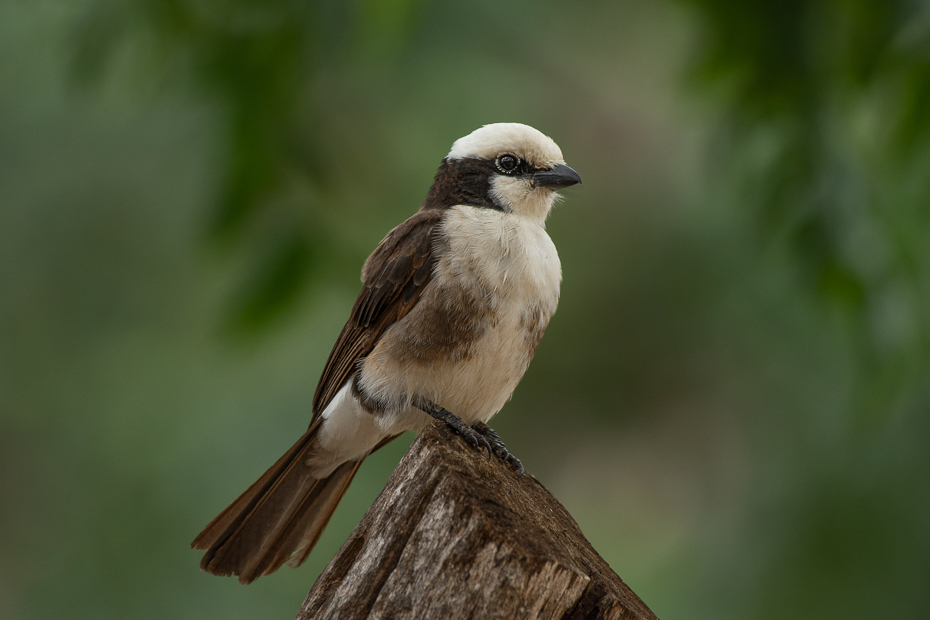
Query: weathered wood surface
[456,535]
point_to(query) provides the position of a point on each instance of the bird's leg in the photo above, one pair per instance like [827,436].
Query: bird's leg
[468,434]
[479,434]
[498,447]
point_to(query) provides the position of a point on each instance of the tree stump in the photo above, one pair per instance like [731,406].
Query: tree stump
[457,535]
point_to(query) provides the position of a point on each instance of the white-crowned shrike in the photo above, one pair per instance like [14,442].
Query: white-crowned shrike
[453,304]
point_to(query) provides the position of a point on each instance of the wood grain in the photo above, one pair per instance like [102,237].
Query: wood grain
[456,535]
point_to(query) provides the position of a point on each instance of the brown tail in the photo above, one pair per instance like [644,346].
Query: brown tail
[277,520]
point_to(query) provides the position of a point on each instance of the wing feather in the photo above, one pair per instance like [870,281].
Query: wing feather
[392,279]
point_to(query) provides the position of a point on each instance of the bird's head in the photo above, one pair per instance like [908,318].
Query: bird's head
[504,166]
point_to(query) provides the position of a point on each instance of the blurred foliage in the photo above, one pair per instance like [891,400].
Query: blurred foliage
[257,59]
[827,124]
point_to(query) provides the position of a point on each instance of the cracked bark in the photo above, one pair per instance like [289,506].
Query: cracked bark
[456,535]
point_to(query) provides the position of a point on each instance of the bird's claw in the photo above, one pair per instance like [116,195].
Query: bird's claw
[475,439]
[497,446]
[479,435]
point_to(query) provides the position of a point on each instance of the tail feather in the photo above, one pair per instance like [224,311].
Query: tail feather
[301,516]
[279,518]
[282,512]
[305,526]
[225,523]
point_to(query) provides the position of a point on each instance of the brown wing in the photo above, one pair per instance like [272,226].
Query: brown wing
[393,277]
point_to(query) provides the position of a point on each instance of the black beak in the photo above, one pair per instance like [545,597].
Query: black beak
[560,176]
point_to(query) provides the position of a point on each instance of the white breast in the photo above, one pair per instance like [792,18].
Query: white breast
[510,254]
[513,261]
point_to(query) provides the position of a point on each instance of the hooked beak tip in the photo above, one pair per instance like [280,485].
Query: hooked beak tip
[557,178]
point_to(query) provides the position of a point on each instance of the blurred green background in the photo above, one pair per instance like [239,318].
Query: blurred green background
[732,399]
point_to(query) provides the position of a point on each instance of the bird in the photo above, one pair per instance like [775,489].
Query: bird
[453,305]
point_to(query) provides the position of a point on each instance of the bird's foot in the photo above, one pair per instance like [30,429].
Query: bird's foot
[480,435]
[498,447]
[469,434]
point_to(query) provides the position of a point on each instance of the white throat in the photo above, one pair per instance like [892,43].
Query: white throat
[519,197]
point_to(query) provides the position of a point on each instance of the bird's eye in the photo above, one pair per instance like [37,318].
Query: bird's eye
[507,163]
